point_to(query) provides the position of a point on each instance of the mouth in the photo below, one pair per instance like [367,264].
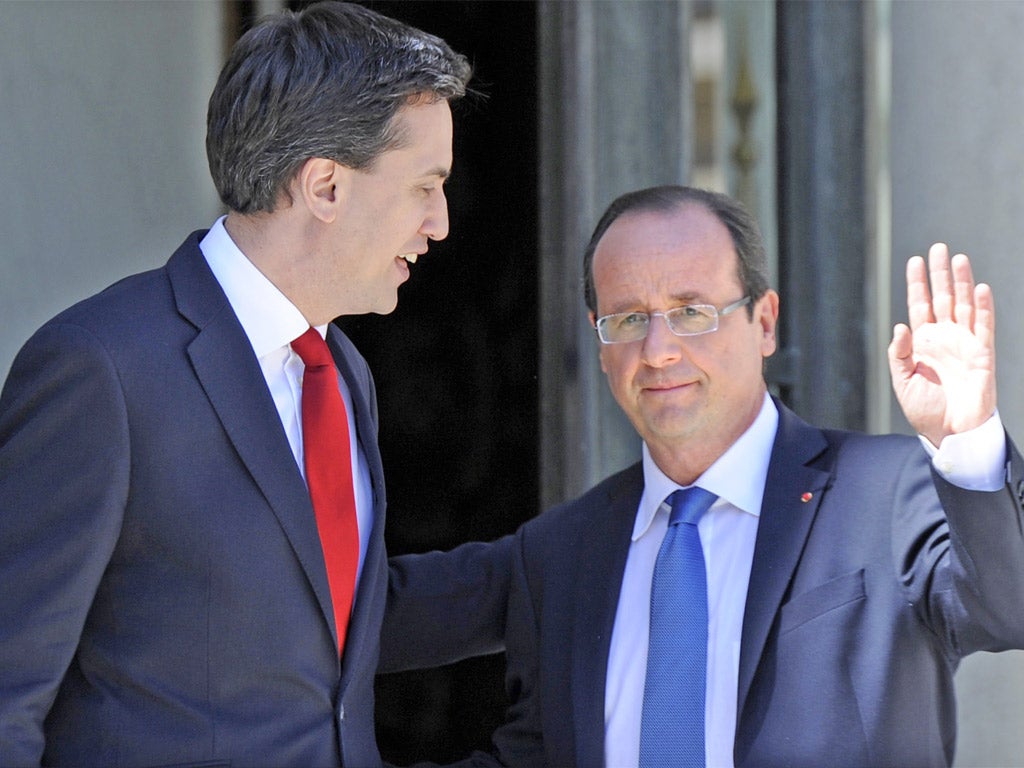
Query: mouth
[409,257]
[662,387]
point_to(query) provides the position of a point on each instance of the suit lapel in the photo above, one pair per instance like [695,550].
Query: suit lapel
[360,388]
[793,491]
[609,531]
[230,375]
[374,571]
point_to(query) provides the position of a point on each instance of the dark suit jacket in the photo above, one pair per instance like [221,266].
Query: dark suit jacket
[861,602]
[164,598]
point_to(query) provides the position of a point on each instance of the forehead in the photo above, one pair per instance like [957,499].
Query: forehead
[424,131]
[652,256]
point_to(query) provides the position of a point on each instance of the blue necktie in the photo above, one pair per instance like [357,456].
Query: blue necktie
[672,723]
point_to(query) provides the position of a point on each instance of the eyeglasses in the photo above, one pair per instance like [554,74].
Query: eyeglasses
[689,320]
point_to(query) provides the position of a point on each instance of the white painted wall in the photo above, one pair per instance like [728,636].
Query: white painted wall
[102,159]
[957,158]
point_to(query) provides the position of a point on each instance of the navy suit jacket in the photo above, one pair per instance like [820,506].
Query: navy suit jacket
[861,602]
[164,598]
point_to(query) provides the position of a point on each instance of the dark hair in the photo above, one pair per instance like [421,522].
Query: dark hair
[324,82]
[746,238]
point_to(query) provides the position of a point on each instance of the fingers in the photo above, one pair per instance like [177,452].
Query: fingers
[951,297]
[963,291]
[942,282]
[985,316]
[919,299]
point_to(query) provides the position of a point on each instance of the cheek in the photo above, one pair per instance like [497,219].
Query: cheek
[746,363]
[616,363]
[754,342]
[403,225]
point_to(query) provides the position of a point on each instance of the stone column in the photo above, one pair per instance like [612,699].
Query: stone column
[614,91]
[822,211]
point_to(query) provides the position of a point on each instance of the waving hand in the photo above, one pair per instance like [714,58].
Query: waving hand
[943,365]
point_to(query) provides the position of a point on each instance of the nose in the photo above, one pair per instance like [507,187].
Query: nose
[661,347]
[435,225]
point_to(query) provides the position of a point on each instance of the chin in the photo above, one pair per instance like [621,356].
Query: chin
[672,426]
[385,308]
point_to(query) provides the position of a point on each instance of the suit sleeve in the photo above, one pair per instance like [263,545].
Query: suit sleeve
[63,487]
[446,606]
[519,740]
[986,537]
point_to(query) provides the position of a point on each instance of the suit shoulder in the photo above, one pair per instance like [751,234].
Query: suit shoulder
[135,306]
[119,317]
[856,454]
[129,297]
[133,319]
[846,441]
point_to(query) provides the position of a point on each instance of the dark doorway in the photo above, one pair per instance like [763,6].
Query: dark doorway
[456,364]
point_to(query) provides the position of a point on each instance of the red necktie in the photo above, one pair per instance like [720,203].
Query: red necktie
[326,444]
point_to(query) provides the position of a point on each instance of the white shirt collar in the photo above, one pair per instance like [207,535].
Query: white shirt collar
[737,477]
[267,316]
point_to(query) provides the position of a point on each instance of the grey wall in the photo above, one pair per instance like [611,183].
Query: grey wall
[102,164]
[957,158]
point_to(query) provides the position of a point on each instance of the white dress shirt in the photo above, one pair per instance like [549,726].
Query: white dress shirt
[271,322]
[973,460]
[727,533]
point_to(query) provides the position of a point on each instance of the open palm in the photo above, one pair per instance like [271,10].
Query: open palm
[943,364]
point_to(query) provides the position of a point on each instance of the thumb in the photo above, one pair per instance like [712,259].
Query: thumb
[901,361]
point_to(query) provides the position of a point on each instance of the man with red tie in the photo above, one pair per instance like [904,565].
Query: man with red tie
[191,493]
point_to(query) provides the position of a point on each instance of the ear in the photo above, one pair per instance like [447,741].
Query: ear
[600,346]
[320,185]
[766,313]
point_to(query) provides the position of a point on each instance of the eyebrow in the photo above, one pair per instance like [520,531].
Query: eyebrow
[689,298]
[440,171]
[678,300]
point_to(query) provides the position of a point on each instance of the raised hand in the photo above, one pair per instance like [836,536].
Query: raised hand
[943,365]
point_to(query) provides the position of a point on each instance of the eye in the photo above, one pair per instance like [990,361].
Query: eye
[438,185]
[630,319]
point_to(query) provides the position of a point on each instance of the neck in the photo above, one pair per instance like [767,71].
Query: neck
[683,464]
[684,459]
[278,247]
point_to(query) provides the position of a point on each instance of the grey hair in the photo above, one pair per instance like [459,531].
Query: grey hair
[324,82]
[752,263]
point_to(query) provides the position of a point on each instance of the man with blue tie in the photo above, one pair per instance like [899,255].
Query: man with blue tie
[755,591]
[191,492]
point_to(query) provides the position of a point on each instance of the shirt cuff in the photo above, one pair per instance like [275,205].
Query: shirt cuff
[974,460]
